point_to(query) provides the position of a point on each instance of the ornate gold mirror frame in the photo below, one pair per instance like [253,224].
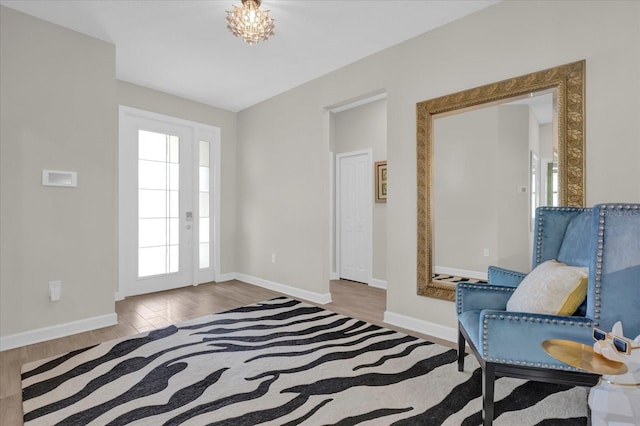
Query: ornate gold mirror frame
[568,80]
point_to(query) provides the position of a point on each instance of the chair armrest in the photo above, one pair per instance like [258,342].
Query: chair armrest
[516,337]
[471,296]
[504,277]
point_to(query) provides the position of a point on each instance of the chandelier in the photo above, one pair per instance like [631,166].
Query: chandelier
[249,22]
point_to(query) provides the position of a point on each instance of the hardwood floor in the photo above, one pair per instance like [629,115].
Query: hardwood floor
[138,314]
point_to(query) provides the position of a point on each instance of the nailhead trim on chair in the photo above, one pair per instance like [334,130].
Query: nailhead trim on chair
[523,317]
[481,287]
[600,250]
[540,215]
[598,273]
[477,286]
[508,272]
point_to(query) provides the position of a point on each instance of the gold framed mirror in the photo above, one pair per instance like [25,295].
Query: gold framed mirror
[566,84]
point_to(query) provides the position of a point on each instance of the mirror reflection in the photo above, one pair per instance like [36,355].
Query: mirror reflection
[486,158]
[493,165]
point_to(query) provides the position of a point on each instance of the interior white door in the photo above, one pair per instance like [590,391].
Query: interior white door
[166,198]
[354,205]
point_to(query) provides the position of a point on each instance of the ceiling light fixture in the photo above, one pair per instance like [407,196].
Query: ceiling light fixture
[249,22]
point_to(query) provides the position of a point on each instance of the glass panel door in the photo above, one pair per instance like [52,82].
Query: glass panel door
[158,203]
[204,201]
[168,202]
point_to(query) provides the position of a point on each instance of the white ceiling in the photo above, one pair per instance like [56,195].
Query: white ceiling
[183,47]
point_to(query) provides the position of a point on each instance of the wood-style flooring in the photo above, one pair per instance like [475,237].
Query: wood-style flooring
[138,314]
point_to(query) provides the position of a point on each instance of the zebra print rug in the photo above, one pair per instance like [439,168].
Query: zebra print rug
[279,362]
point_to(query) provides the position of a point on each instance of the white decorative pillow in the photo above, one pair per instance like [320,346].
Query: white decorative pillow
[551,288]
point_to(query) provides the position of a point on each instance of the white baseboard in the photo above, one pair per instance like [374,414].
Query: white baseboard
[226,277]
[378,283]
[119,296]
[440,331]
[373,283]
[321,299]
[55,331]
[455,272]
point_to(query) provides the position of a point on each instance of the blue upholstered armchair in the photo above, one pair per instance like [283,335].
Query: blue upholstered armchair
[606,240]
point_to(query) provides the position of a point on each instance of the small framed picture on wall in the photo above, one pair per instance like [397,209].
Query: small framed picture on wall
[381,181]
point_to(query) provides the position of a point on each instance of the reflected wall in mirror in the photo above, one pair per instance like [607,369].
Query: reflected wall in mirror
[490,156]
[486,158]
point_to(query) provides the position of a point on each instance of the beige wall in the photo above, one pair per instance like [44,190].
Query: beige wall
[283,157]
[365,127]
[283,192]
[163,103]
[481,158]
[58,111]
[512,171]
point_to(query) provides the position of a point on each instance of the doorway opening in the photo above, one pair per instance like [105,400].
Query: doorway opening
[356,130]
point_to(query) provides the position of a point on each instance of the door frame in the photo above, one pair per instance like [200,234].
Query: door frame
[198,131]
[369,153]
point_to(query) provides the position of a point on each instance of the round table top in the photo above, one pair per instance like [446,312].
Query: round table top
[582,356]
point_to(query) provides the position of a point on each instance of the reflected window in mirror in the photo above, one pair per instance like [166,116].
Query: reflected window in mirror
[552,180]
[534,184]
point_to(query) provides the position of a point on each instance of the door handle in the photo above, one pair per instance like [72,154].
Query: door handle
[189,219]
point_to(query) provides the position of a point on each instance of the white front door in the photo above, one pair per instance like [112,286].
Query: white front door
[355,193]
[165,211]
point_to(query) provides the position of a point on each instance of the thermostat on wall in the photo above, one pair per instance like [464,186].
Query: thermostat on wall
[59,178]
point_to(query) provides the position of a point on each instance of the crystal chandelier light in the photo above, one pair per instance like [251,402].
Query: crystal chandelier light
[249,22]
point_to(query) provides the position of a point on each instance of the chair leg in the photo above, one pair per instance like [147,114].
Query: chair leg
[461,347]
[488,383]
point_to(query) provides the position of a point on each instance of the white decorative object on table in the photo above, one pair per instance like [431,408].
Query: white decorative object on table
[615,400]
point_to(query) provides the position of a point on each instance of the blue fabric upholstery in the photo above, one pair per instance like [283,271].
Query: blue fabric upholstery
[606,239]
[470,320]
[574,249]
[516,337]
[614,269]
[550,226]
[504,277]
